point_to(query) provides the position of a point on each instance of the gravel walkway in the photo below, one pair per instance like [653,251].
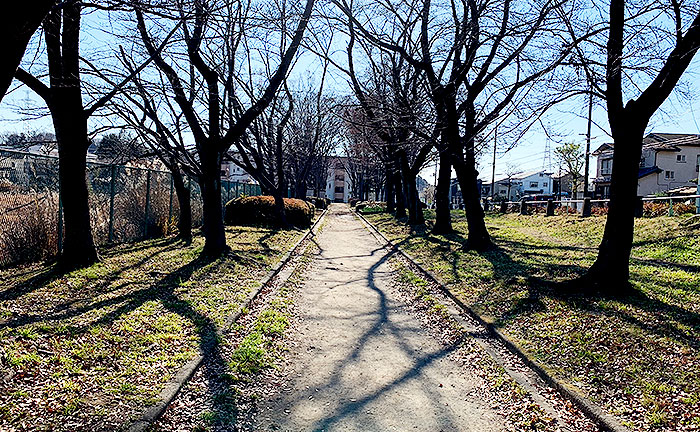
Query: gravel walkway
[363,361]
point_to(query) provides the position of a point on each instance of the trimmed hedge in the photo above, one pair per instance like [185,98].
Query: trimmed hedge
[260,210]
[320,203]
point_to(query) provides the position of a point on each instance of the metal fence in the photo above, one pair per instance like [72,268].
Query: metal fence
[126,204]
[670,205]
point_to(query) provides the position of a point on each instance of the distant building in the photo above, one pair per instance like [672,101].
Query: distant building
[514,187]
[232,172]
[338,183]
[668,162]
[563,185]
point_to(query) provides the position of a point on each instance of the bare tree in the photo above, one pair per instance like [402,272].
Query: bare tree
[311,137]
[631,59]
[393,102]
[216,39]
[480,59]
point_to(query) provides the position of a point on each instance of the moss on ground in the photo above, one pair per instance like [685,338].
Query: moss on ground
[638,357]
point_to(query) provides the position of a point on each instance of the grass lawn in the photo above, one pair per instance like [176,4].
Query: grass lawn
[637,357]
[88,350]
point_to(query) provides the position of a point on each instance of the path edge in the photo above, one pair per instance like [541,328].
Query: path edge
[602,419]
[151,414]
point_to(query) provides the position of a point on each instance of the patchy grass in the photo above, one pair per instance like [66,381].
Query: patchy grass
[90,349]
[638,357]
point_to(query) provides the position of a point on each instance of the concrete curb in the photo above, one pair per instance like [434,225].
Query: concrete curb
[172,388]
[604,420]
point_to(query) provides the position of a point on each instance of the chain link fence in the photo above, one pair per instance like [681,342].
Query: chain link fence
[126,204]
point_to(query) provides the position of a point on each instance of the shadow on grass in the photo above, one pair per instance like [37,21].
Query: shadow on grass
[163,291]
[48,274]
[538,268]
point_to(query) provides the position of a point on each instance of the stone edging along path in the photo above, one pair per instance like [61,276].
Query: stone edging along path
[604,420]
[173,387]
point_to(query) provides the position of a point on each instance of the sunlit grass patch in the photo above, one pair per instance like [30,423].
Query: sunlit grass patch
[97,344]
[640,352]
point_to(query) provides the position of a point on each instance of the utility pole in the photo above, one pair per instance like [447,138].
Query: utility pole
[493,168]
[588,144]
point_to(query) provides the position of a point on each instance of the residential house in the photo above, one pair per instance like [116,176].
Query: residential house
[563,185]
[516,186]
[669,161]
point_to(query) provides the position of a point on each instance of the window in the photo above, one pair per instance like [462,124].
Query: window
[544,184]
[339,189]
[697,165]
[670,175]
[680,158]
[534,184]
[340,177]
[605,166]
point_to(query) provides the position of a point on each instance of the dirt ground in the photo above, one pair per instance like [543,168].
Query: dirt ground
[363,361]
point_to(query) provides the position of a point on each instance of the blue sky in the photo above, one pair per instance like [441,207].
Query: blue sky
[566,121]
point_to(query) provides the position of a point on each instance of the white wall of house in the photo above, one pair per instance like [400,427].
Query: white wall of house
[233,173]
[678,169]
[338,184]
[536,183]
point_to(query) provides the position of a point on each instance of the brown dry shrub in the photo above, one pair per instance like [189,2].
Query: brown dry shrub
[260,210]
[28,231]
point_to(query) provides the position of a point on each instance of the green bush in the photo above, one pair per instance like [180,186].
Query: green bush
[260,210]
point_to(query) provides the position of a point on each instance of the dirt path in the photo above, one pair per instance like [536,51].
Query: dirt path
[363,361]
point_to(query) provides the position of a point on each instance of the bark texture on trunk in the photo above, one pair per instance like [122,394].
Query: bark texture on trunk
[610,271]
[408,178]
[184,223]
[71,134]
[212,211]
[389,191]
[279,206]
[400,198]
[478,238]
[443,222]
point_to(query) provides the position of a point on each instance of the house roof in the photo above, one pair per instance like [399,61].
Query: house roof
[659,142]
[643,172]
[519,176]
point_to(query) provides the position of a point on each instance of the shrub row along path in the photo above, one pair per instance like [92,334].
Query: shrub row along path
[364,360]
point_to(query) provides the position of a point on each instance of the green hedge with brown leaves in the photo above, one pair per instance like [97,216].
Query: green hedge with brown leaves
[260,210]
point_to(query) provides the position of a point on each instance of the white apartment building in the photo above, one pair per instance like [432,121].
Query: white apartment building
[338,183]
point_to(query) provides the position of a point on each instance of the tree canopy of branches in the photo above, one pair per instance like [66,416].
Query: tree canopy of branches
[480,60]
[216,89]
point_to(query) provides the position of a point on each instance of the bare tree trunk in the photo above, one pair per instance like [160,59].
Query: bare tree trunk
[19,23]
[611,267]
[212,212]
[184,223]
[478,238]
[443,222]
[279,206]
[389,190]
[398,190]
[71,134]
[415,212]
